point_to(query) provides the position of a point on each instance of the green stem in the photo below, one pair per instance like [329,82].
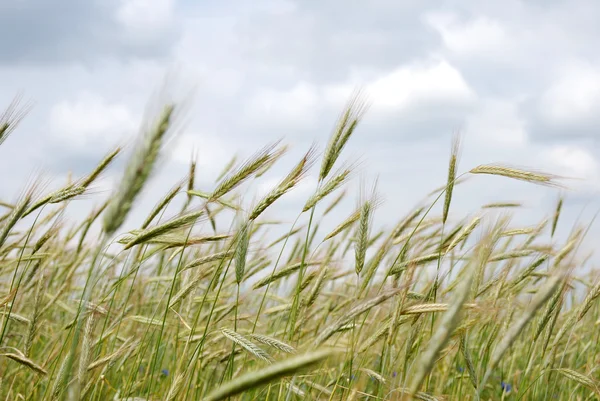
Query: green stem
[296,302]
[10,308]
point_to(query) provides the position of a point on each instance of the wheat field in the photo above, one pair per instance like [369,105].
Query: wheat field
[204,302]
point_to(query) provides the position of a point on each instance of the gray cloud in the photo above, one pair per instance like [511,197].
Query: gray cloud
[327,41]
[38,32]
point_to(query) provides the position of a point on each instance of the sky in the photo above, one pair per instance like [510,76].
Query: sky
[518,79]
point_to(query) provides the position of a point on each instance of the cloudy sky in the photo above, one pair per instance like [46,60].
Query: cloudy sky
[519,79]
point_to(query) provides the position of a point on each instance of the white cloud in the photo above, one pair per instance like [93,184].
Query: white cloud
[267,186]
[497,122]
[478,36]
[575,98]
[574,162]
[304,188]
[90,119]
[297,105]
[402,89]
[211,153]
[419,84]
[275,7]
[145,17]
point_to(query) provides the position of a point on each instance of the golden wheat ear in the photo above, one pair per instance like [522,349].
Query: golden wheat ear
[532,176]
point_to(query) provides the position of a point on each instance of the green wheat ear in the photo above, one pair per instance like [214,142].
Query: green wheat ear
[348,121]
[138,169]
[453,165]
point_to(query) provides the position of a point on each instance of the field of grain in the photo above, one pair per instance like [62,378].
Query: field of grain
[203,302]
